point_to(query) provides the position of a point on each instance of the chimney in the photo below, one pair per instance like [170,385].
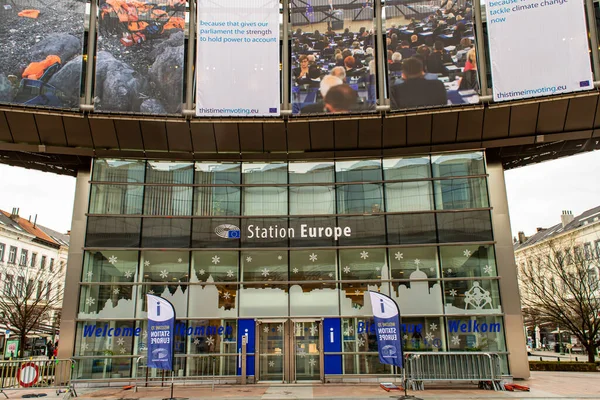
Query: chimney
[15,213]
[35,220]
[566,217]
[539,229]
[522,237]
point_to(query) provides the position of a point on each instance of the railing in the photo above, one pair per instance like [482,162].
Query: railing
[24,374]
[483,368]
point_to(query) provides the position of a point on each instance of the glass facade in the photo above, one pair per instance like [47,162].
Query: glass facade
[279,250]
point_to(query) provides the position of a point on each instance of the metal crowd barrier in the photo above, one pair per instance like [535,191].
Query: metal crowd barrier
[483,368]
[28,374]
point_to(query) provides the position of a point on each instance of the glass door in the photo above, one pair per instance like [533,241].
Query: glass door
[307,359]
[271,350]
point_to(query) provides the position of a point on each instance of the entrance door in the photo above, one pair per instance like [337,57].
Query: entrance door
[289,350]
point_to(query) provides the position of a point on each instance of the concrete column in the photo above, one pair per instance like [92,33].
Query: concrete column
[68,326]
[507,270]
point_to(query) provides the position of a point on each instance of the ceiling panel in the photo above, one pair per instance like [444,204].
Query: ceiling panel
[581,113]
[22,126]
[551,117]
[470,125]
[321,135]
[251,137]
[103,133]
[346,134]
[418,130]
[78,132]
[298,136]
[274,136]
[155,135]
[394,132]
[370,133]
[129,134]
[203,137]
[5,135]
[51,129]
[523,119]
[178,136]
[444,126]
[495,122]
[227,137]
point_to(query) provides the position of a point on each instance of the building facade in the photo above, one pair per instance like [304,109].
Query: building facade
[285,252]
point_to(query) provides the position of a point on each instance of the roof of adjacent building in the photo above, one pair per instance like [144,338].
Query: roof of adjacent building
[41,233]
[587,217]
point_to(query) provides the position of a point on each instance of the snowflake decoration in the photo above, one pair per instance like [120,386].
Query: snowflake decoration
[487,269]
[417,262]
[467,253]
[230,274]
[405,337]
[249,259]
[150,291]
[146,263]
[433,326]
[89,275]
[210,341]
[201,272]
[313,330]
[350,331]
[313,257]
[364,255]
[280,328]
[280,258]
[312,362]
[301,353]
[271,363]
[85,346]
[265,272]
[122,350]
[116,291]
[295,270]
[399,256]
[455,340]
[450,270]
[196,341]
[164,273]
[216,260]
[128,274]
[266,329]
[299,326]
[120,341]
[226,295]
[90,301]
[429,337]
[346,269]
[179,260]
[112,260]
[452,292]
[431,269]
[357,292]
[360,341]
[331,274]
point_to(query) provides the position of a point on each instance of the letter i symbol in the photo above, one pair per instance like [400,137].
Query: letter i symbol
[331,340]
[157,309]
[381,303]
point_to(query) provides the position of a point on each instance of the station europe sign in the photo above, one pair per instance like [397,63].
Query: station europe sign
[228,231]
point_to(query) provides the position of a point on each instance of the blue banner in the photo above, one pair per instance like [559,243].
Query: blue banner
[161,333]
[387,326]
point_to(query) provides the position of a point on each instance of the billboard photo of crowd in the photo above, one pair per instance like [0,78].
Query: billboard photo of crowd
[333,56]
[41,43]
[431,56]
[140,56]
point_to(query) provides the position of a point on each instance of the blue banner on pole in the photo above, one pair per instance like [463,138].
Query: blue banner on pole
[388,329]
[161,333]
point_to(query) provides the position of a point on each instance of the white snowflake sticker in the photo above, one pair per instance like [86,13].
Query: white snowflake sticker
[467,253]
[346,269]
[196,341]
[164,273]
[179,260]
[122,350]
[433,326]
[280,328]
[266,329]
[116,290]
[112,260]
[331,274]
[216,260]
[210,341]
[265,272]
[417,262]
[429,337]
[89,275]
[453,293]
[364,255]
[128,274]
[85,346]
[226,295]
[295,270]
[120,341]
[280,258]
[150,291]
[146,263]
[201,272]
[313,257]
[360,341]
[249,259]
[312,362]
[487,270]
[455,340]
[230,274]
[399,256]
[90,301]
[357,292]
[271,363]
[313,330]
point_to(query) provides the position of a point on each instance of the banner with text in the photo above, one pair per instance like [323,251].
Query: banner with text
[237,59]
[538,48]
[161,332]
[387,321]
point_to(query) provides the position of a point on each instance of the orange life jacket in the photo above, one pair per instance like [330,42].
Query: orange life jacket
[36,70]
[174,23]
[29,13]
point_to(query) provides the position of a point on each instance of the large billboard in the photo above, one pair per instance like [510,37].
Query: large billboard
[538,48]
[41,46]
[333,60]
[237,64]
[140,58]
[430,53]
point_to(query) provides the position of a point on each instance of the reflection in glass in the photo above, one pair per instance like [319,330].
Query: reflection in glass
[309,200]
[472,226]
[472,297]
[168,200]
[468,261]
[409,196]
[475,333]
[406,168]
[358,171]
[106,301]
[313,297]
[307,351]
[166,232]
[169,172]
[462,164]
[360,199]
[216,298]
[271,351]
[110,266]
[217,200]
[218,173]
[113,232]
[112,170]
[423,334]
[116,199]
[311,172]
[411,228]
[461,193]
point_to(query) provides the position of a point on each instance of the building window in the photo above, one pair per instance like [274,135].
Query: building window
[597,246]
[40,288]
[48,291]
[43,262]
[8,285]
[52,265]
[23,260]
[587,251]
[20,286]
[33,259]
[12,255]
[2,247]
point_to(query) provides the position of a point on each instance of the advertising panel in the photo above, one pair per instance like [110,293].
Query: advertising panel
[161,332]
[387,325]
[237,58]
[431,58]
[40,52]
[333,56]
[538,48]
[140,56]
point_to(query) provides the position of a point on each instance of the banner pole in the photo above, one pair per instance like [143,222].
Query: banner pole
[480,40]
[189,92]
[285,55]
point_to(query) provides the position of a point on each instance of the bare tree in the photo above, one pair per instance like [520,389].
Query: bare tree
[30,298]
[560,287]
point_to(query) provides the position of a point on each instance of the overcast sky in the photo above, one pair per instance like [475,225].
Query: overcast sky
[537,194]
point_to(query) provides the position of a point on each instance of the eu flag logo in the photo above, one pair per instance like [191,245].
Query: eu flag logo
[584,83]
[273,110]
